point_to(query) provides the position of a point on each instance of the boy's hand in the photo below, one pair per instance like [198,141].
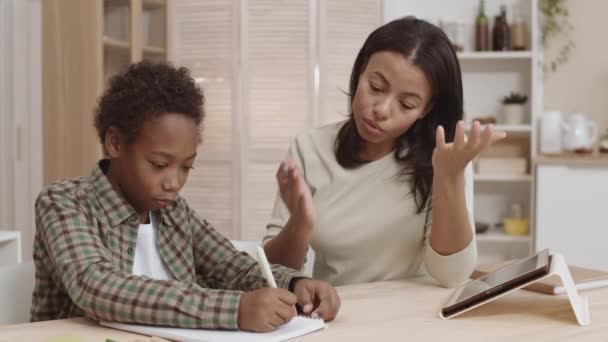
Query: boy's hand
[317,298]
[266,309]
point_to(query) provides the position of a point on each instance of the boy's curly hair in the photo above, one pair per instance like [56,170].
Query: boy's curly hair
[144,91]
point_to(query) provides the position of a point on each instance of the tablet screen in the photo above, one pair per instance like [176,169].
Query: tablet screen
[499,281]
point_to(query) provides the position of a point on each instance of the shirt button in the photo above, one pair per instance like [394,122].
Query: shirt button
[130,250]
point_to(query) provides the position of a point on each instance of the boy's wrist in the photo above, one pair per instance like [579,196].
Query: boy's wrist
[292,283]
[292,288]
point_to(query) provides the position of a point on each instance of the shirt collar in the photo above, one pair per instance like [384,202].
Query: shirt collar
[116,207]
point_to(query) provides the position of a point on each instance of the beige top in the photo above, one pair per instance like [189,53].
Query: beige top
[367,228]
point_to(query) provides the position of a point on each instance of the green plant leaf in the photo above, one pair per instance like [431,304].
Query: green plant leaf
[554,23]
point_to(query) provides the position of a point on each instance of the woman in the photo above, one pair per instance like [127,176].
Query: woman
[383,194]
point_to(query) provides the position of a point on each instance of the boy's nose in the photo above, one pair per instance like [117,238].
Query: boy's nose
[171,184]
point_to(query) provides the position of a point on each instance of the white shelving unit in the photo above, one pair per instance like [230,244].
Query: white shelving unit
[474,55]
[502,238]
[487,78]
[511,129]
[502,178]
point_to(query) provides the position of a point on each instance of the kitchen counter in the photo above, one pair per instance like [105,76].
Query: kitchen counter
[593,159]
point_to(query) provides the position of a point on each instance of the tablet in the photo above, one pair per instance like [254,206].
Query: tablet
[498,282]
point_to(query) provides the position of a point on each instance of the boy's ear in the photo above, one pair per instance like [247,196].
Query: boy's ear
[114,142]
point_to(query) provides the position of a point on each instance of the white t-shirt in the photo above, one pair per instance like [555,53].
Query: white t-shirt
[147,261]
[367,227]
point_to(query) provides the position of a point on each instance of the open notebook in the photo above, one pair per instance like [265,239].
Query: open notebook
[584,278]
[297,327]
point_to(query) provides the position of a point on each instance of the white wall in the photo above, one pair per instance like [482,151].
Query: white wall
[20,116]
[582,83]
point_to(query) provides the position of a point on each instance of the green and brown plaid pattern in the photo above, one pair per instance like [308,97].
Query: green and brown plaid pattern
[84,247]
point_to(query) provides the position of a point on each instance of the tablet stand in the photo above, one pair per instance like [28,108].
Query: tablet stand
[558,267]
[579,303]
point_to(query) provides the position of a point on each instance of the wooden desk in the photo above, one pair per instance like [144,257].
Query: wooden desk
[399,311]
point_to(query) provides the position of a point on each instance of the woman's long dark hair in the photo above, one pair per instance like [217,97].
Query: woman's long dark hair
[427,47]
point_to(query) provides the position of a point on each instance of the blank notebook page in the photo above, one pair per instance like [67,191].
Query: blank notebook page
[297,327]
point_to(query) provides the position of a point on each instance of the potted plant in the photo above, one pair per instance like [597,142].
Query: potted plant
[556,29]
[513,108]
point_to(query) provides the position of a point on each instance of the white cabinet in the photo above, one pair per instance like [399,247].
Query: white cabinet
[21,119]
[572,213]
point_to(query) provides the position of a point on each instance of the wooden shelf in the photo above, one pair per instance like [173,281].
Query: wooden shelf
[153,4]
[120,27]
[472,55]
[573,159]
[154,50]
[502,238]
[502,178]
[514,129]
[116,43]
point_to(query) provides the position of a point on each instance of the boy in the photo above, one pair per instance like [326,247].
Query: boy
[121,245]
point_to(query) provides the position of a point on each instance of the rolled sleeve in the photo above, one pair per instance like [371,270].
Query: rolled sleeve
[454,269]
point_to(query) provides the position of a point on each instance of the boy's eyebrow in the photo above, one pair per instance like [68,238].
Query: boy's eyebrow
[379,74]
[170,156]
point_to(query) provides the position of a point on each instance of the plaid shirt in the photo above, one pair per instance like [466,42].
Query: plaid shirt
[85,242]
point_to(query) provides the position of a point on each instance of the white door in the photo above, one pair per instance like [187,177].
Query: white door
[20,116]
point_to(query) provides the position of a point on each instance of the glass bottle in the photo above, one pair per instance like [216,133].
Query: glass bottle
[603,143]
[518,34]
[500,35]
[481,29]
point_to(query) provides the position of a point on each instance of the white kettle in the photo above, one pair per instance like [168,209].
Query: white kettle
[579,133]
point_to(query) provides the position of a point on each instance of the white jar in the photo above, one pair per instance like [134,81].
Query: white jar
[551,132]
[513,114]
